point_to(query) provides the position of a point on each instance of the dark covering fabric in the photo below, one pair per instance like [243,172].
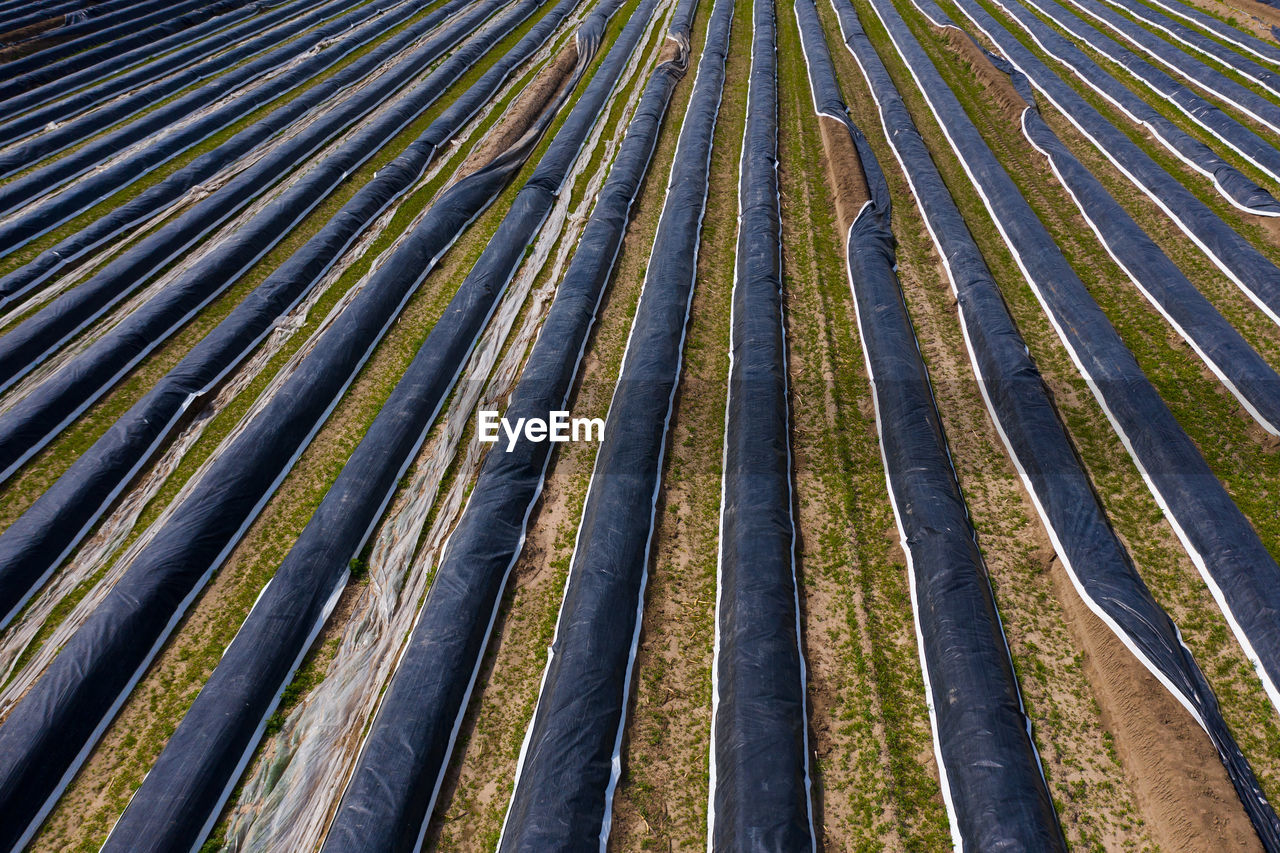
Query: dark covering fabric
[203,759]
[1100,568]
[1245,372]
[1229,181]
[20,14]
[994,787]
[570,763]
[1248,41]
[117,72]
[122,29]
[63,135]
[1182,63]
[760,786]
[1248,268]
[89,374]
[48,733]
[37,337]
[39,540]
[140,66]
[1200,42]
[1248,376]
[55,203]
[394,785]
[46,266]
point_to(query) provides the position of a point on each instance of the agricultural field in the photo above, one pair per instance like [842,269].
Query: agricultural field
[639,425]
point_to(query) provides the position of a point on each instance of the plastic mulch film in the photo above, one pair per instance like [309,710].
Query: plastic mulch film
[1216,122]
[25,101]
[35,544]
[1224,351]
[571,761]
[121,155]
[56,399]
[67,709]
[1098,566]
[123,29]
[992,783]
[760,784]
[226,720]
[1250,270]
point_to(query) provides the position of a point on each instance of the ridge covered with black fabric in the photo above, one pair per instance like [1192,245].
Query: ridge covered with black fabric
[993,785]
[35,544]
[49,732]
[760,785]
[1100,568]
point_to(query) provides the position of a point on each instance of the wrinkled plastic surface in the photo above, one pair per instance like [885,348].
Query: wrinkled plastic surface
[1196,40]
[1245,373]
[1241,573]
[53,82]
[1243,577]
[393,787]
[49,732]
[123,29]
[204,757]
[1244,40]
[45,267]
[104,81]
[1100,567]
[1248,268]
[1219,124]
[570,763]
[57,207]
[1233,185]
[33,340]
[39,539]
[993,785]
[37,418]
[760,786]
[1183,64]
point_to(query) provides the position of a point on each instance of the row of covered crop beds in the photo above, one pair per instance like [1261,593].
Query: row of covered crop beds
[926,355]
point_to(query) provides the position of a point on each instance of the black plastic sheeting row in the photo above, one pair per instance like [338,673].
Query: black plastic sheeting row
[125,29]
[51,729]
[39,416]
[1247,100]
[570,762]
[1238,259]
[183,793]
[54,208]
[36,543]
[34,13]
[63,131]
[760,787]
[55,81]
[1223,349]
[1099,566]
[49,733]
[412,735]
[1243,40]
[1242,370]
[226,720]
[50,262]
[1234,186]
[1198,41]
[37,337]
[104,81]
[993,785]
[1193,499]
[1218,123]
[1242,575]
